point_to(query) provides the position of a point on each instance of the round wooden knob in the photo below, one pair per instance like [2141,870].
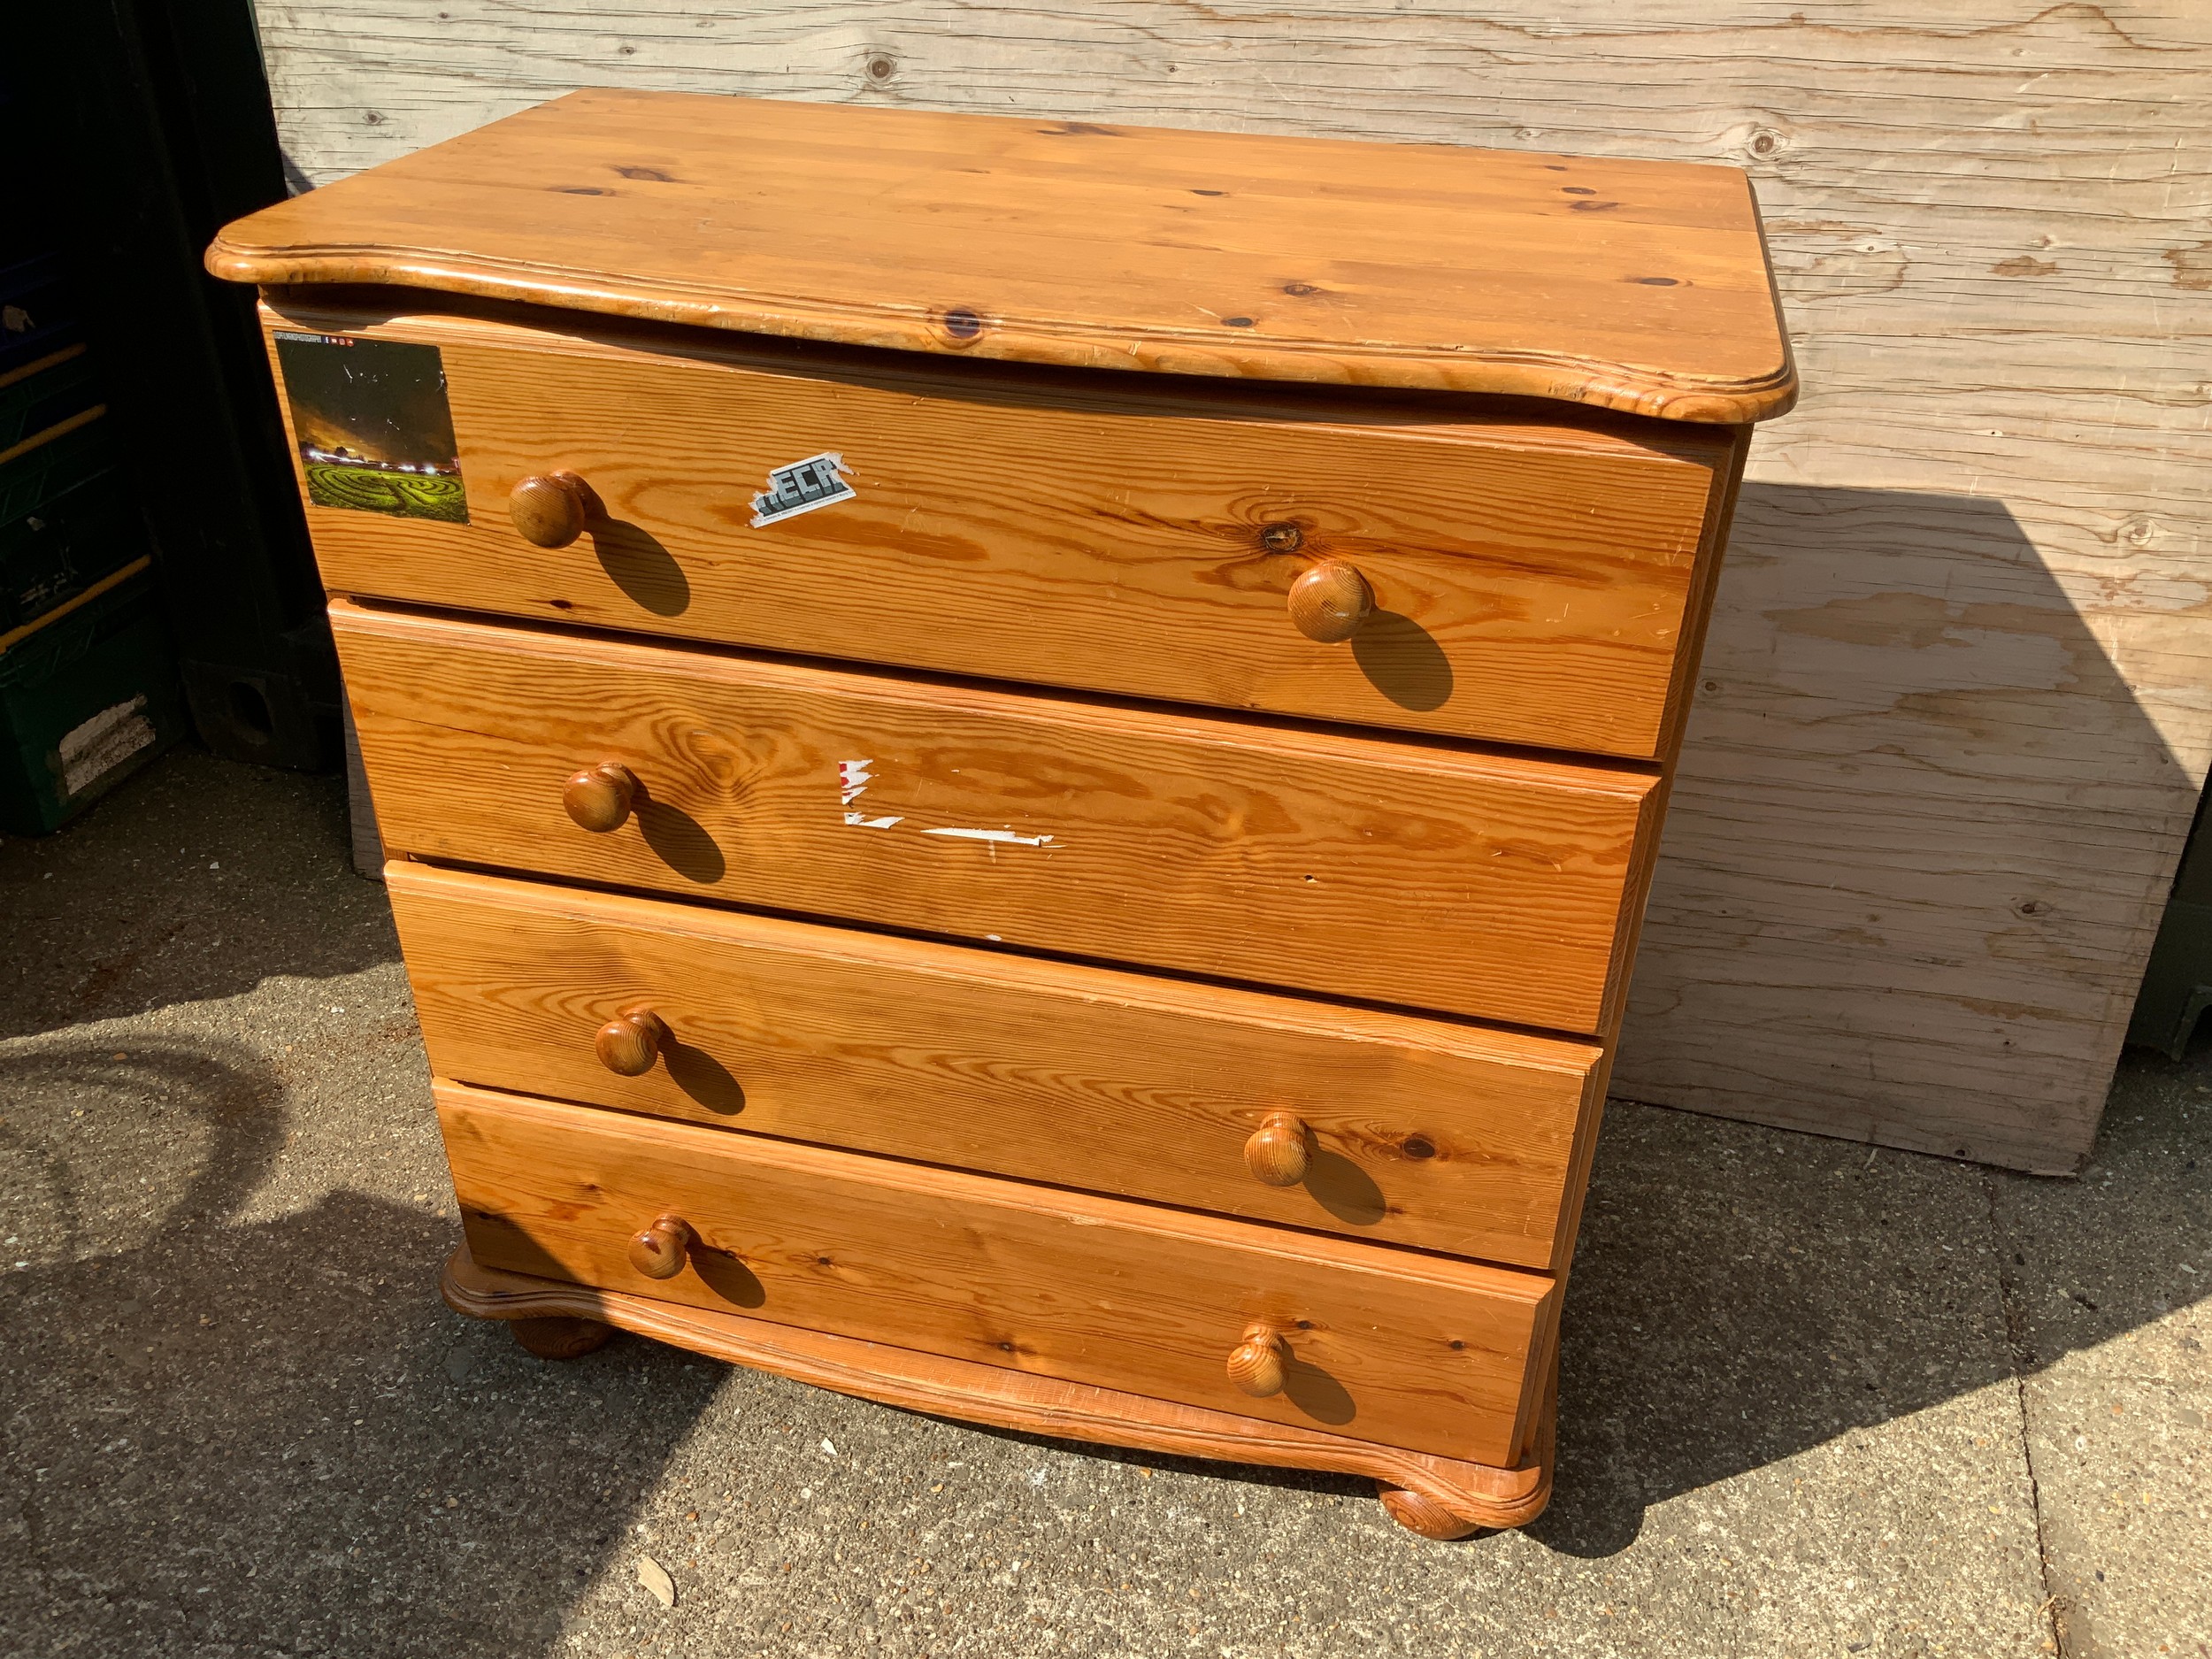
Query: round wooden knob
[550,509]
[598,797]
[1277,1150]
[1329,601]
[629,1043]
[661,1250]
[1256,1364]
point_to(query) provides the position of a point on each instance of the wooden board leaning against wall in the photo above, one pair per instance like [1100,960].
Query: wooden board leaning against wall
[1955,718]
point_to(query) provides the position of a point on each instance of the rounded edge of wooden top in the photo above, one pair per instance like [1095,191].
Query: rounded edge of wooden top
[1217,353]
[507,213]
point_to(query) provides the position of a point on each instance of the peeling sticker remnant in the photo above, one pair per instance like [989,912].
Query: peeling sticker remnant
[802,487]
[853,778]
[90,751]
[852,781]
[1006,836]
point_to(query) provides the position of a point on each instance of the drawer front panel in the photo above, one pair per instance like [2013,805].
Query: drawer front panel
[1414,1132]
[1474,884]
[1533,583]
[1408,1350]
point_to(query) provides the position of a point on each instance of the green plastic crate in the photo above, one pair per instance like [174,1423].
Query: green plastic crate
[50,556]
[65,517]
[46,398]
[39,475]
[87,698]
[39,311]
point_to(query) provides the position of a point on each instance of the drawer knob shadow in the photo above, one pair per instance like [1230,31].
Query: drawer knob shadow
[661,1250]
[629,1043]
[1277,1152]
[1259,1364]
[1329,601]
[598,798]
[551,509]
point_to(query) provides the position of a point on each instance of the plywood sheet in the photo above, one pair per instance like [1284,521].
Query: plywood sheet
[1956,708]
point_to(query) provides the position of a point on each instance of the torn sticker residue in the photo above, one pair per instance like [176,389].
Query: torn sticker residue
[88,752]
[802,487]
[1005,836]
[853,778]
[852,782]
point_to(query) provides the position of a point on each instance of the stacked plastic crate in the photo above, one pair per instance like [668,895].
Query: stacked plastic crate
[88,688]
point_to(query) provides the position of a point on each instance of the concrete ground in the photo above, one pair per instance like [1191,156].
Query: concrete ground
[1815,1399]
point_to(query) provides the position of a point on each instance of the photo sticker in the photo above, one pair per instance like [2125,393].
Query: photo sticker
[374,430]
[802,487]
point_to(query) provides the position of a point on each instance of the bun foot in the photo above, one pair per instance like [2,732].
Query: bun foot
[560,1336]
[1417,1512]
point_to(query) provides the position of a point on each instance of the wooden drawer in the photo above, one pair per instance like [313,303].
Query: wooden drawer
[1534,577]
[1417,1131]
[1479,885]
[1395,1346]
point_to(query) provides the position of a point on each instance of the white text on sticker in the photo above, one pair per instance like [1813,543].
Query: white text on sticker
[802,487]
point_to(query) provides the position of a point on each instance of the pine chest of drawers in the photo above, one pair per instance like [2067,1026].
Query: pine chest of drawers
[1021,758]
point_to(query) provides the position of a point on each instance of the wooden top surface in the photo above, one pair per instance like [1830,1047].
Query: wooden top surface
[1630,285]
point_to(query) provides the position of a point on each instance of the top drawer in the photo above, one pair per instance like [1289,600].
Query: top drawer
[1532,581]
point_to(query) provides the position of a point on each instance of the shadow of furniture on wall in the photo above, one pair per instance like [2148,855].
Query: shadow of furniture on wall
[1919,842]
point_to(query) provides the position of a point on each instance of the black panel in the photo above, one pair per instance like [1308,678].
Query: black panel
[147,128]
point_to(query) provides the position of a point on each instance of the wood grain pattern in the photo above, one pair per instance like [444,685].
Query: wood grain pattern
[1953,725]
[1415,1131]
[1411,1350]
[1632,286]
[1470,883]
[1478,1494]
[1532,578]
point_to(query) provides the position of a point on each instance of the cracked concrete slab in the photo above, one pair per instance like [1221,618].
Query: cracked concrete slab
[2109,1276]
[238,1421]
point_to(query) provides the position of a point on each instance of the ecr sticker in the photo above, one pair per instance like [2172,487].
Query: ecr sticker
[802,487]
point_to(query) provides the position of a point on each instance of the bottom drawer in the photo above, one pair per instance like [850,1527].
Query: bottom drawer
[1405,1349]
[1420,1132]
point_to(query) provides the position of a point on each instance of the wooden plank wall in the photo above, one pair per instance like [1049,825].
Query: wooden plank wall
[1956,711]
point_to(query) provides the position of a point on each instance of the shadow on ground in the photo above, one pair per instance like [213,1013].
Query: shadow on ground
[1741,1296]
[269,1437]
[206,878]
[238,1420]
